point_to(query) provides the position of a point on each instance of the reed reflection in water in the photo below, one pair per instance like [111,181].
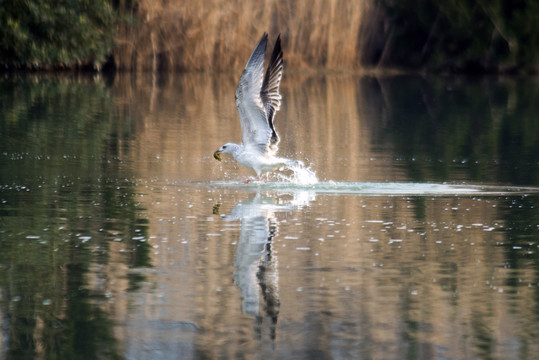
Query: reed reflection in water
[124,175]
[405,128]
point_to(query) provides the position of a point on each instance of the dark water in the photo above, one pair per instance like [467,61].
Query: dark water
[121,236]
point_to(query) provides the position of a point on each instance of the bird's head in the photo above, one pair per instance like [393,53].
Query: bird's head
[227,148]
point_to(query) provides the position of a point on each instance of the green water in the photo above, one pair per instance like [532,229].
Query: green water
[122,237]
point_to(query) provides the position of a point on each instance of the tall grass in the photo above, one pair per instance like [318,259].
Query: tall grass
[219,34]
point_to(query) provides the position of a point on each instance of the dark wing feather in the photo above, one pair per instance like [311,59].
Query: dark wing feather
[271,98]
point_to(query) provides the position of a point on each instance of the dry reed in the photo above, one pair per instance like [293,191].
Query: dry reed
[219,34]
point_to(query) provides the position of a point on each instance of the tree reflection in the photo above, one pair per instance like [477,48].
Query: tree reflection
[485,127]
[66,201]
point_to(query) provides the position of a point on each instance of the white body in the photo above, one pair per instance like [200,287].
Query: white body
[260,162]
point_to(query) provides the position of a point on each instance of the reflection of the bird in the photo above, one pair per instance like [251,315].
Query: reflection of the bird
[256,264]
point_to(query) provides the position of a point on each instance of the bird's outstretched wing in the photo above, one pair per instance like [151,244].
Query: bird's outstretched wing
[271,98]
[258,98]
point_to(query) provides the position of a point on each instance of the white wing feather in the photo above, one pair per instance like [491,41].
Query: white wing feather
[255,128]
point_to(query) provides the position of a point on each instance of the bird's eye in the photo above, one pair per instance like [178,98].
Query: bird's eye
[224,147]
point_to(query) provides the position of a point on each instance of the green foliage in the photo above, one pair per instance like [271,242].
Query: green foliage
[462,35]
[43,33]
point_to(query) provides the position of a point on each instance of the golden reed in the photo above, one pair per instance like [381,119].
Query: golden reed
[218,34]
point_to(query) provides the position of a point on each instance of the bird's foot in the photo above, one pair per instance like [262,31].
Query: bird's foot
[250,179]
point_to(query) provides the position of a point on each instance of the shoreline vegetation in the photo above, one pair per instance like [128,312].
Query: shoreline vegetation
[460,36]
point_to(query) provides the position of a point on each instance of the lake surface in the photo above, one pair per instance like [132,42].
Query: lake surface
[122,237]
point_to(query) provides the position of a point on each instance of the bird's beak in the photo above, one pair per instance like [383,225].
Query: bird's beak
[217,155]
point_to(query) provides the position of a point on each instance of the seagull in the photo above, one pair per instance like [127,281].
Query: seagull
[258,100]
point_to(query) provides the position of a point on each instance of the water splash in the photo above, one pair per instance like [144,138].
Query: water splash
[301,175]
[295,177]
